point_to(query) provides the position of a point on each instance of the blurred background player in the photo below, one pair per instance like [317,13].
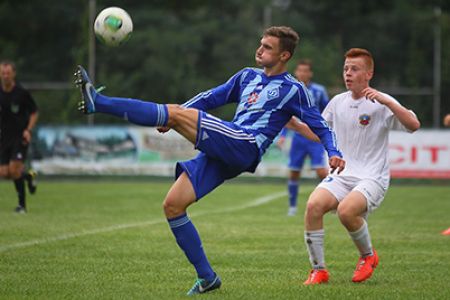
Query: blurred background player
[267,99]
[18,116]
[361,118]
[301,147]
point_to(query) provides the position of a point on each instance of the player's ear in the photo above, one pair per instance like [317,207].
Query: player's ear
[285,56]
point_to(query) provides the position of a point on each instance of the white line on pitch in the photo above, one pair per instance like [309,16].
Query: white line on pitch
[254,203]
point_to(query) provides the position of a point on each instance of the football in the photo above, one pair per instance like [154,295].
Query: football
[113,26]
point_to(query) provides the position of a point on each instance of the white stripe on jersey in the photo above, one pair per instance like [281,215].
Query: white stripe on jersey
[236,134]
[225,128]
[197,98]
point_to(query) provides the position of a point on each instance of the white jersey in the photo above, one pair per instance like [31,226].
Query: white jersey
[362,132]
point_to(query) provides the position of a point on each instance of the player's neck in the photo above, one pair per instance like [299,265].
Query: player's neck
[8,87]
[357,94]
[275,70]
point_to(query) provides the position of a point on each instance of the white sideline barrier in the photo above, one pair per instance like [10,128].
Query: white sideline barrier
[126,150]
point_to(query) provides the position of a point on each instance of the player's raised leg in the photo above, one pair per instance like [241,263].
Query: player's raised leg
[320,202]
[145,113]
[350,212]
[135,111]
[179,197]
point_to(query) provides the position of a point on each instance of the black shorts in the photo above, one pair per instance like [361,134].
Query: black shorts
[13,150]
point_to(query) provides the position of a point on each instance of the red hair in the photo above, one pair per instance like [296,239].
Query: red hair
[360,52]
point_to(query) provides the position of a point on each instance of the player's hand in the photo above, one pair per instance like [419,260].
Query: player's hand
[26,136]
[163,129]
[280,142]
[447,120]
[336,164]
[372,94]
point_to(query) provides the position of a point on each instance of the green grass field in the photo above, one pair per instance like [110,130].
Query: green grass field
[110,240]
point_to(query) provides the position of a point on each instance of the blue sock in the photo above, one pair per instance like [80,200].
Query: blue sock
[293,192]
[188,239]
[136,111]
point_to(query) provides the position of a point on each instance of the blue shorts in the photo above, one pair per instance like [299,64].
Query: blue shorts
[227,150]
[300,148]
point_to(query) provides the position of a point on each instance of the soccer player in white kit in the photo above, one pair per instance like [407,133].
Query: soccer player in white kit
[361,119]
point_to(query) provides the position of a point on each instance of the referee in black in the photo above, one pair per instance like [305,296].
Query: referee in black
[18,116]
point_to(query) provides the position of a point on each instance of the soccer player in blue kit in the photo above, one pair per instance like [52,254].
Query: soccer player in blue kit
[301,147]
[266,100]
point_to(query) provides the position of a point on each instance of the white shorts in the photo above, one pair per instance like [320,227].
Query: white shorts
[341,186]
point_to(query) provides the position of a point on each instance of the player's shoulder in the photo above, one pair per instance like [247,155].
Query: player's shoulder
[288,79]
[19,88]
[318,87]
[252,70]
[341,96]
[248,72]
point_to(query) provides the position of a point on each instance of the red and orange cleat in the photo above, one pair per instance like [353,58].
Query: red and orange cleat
[365,267]
[446,232]
[317,277]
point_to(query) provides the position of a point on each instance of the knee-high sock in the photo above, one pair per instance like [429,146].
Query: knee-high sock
[314,243]
[189,241]
[361,238]
[20,188]
[135,111]
[293,192]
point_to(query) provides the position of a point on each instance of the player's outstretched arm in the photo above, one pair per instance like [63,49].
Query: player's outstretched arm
[303,129]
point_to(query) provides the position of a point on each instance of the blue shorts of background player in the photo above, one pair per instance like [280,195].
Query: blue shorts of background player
[301,148]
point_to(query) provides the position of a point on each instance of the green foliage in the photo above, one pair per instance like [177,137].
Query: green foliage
[181,48]
[110,240]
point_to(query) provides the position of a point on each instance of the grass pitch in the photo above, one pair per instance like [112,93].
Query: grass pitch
[110,240]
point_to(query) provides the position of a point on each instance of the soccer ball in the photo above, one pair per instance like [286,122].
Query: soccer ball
[113,26]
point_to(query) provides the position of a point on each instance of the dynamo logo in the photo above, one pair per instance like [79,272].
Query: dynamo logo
[273,93]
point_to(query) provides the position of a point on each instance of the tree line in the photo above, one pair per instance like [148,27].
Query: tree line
[180,48]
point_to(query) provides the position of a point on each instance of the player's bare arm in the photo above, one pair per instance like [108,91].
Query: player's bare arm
[405,116]
[27,132]
[303,129]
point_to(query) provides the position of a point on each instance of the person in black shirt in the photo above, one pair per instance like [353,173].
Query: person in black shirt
[18,116]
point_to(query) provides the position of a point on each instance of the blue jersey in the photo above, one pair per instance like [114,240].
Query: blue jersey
[319,95]
[265,104]
[319,99]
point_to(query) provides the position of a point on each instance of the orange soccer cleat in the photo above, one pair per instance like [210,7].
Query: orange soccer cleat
[446,232]
[365,267]
[317,277]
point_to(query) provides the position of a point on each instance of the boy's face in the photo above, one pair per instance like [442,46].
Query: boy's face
[7,74]
[269,53]
[356,74]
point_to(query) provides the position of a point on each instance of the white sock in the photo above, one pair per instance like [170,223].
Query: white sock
[361,238]
[314,243]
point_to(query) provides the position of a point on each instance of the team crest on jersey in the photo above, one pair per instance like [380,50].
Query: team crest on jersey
[364,119]
[252,98]
[273,93]
[14,108]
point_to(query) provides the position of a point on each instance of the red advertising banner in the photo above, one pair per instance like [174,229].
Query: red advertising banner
[423,154]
